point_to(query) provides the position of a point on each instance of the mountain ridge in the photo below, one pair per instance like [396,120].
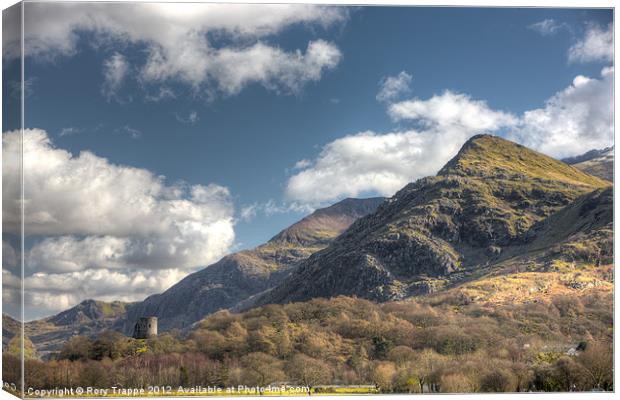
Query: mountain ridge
[438,229]
[88,318]
[588,155]
[220,285]
[488,210]
[240,275]
[599,163]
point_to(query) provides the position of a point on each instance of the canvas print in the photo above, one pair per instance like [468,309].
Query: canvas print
[295,199]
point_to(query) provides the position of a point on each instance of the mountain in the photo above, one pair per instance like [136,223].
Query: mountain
[87,312]
[221,285]
[10,328]
[595,162]
[589,155]
[319,228]
[567,255]
[589,218]
[88,318]
[496,208]
[505,253]
[240,275]
[479,210]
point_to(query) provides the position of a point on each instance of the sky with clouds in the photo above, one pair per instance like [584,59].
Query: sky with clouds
[160,137]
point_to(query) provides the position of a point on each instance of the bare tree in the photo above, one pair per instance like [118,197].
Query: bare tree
[309,371]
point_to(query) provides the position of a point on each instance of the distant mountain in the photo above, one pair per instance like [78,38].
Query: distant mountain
[322,226]
[221,285]
[496,209]
[240,275]
[89,311]
[88,318]
[595,162]
[10,328]
[441,230]
[589,155]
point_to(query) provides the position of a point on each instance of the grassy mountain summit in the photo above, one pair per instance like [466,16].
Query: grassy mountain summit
[493,157]
[443,229]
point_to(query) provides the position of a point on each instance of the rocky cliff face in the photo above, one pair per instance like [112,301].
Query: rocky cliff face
[441,229]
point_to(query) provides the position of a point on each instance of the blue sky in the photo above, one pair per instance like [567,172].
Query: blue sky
[515,69]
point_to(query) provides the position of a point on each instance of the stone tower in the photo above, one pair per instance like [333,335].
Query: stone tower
[145,328]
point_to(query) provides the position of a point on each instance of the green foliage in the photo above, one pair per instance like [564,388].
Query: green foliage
[548,356]
[77,348]
[381,347]
[112,309]
[109,344]
[15,348]
[492,156]
[403,347]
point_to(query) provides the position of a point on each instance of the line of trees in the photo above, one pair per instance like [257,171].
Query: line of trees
[560,345]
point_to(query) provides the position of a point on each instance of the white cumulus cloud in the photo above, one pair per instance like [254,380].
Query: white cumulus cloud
[572,121]
[451,109]
[234,68]
[48,293]
[85,214]
[181,42]
[391,87]
[596,45]
[10,256]
[371,162]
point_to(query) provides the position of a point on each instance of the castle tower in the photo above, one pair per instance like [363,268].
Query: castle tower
[145,328]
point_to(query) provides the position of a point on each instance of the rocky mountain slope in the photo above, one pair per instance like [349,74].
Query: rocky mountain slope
[241,275]
[595,162]
[499,223]
[485,206]
[566,253]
